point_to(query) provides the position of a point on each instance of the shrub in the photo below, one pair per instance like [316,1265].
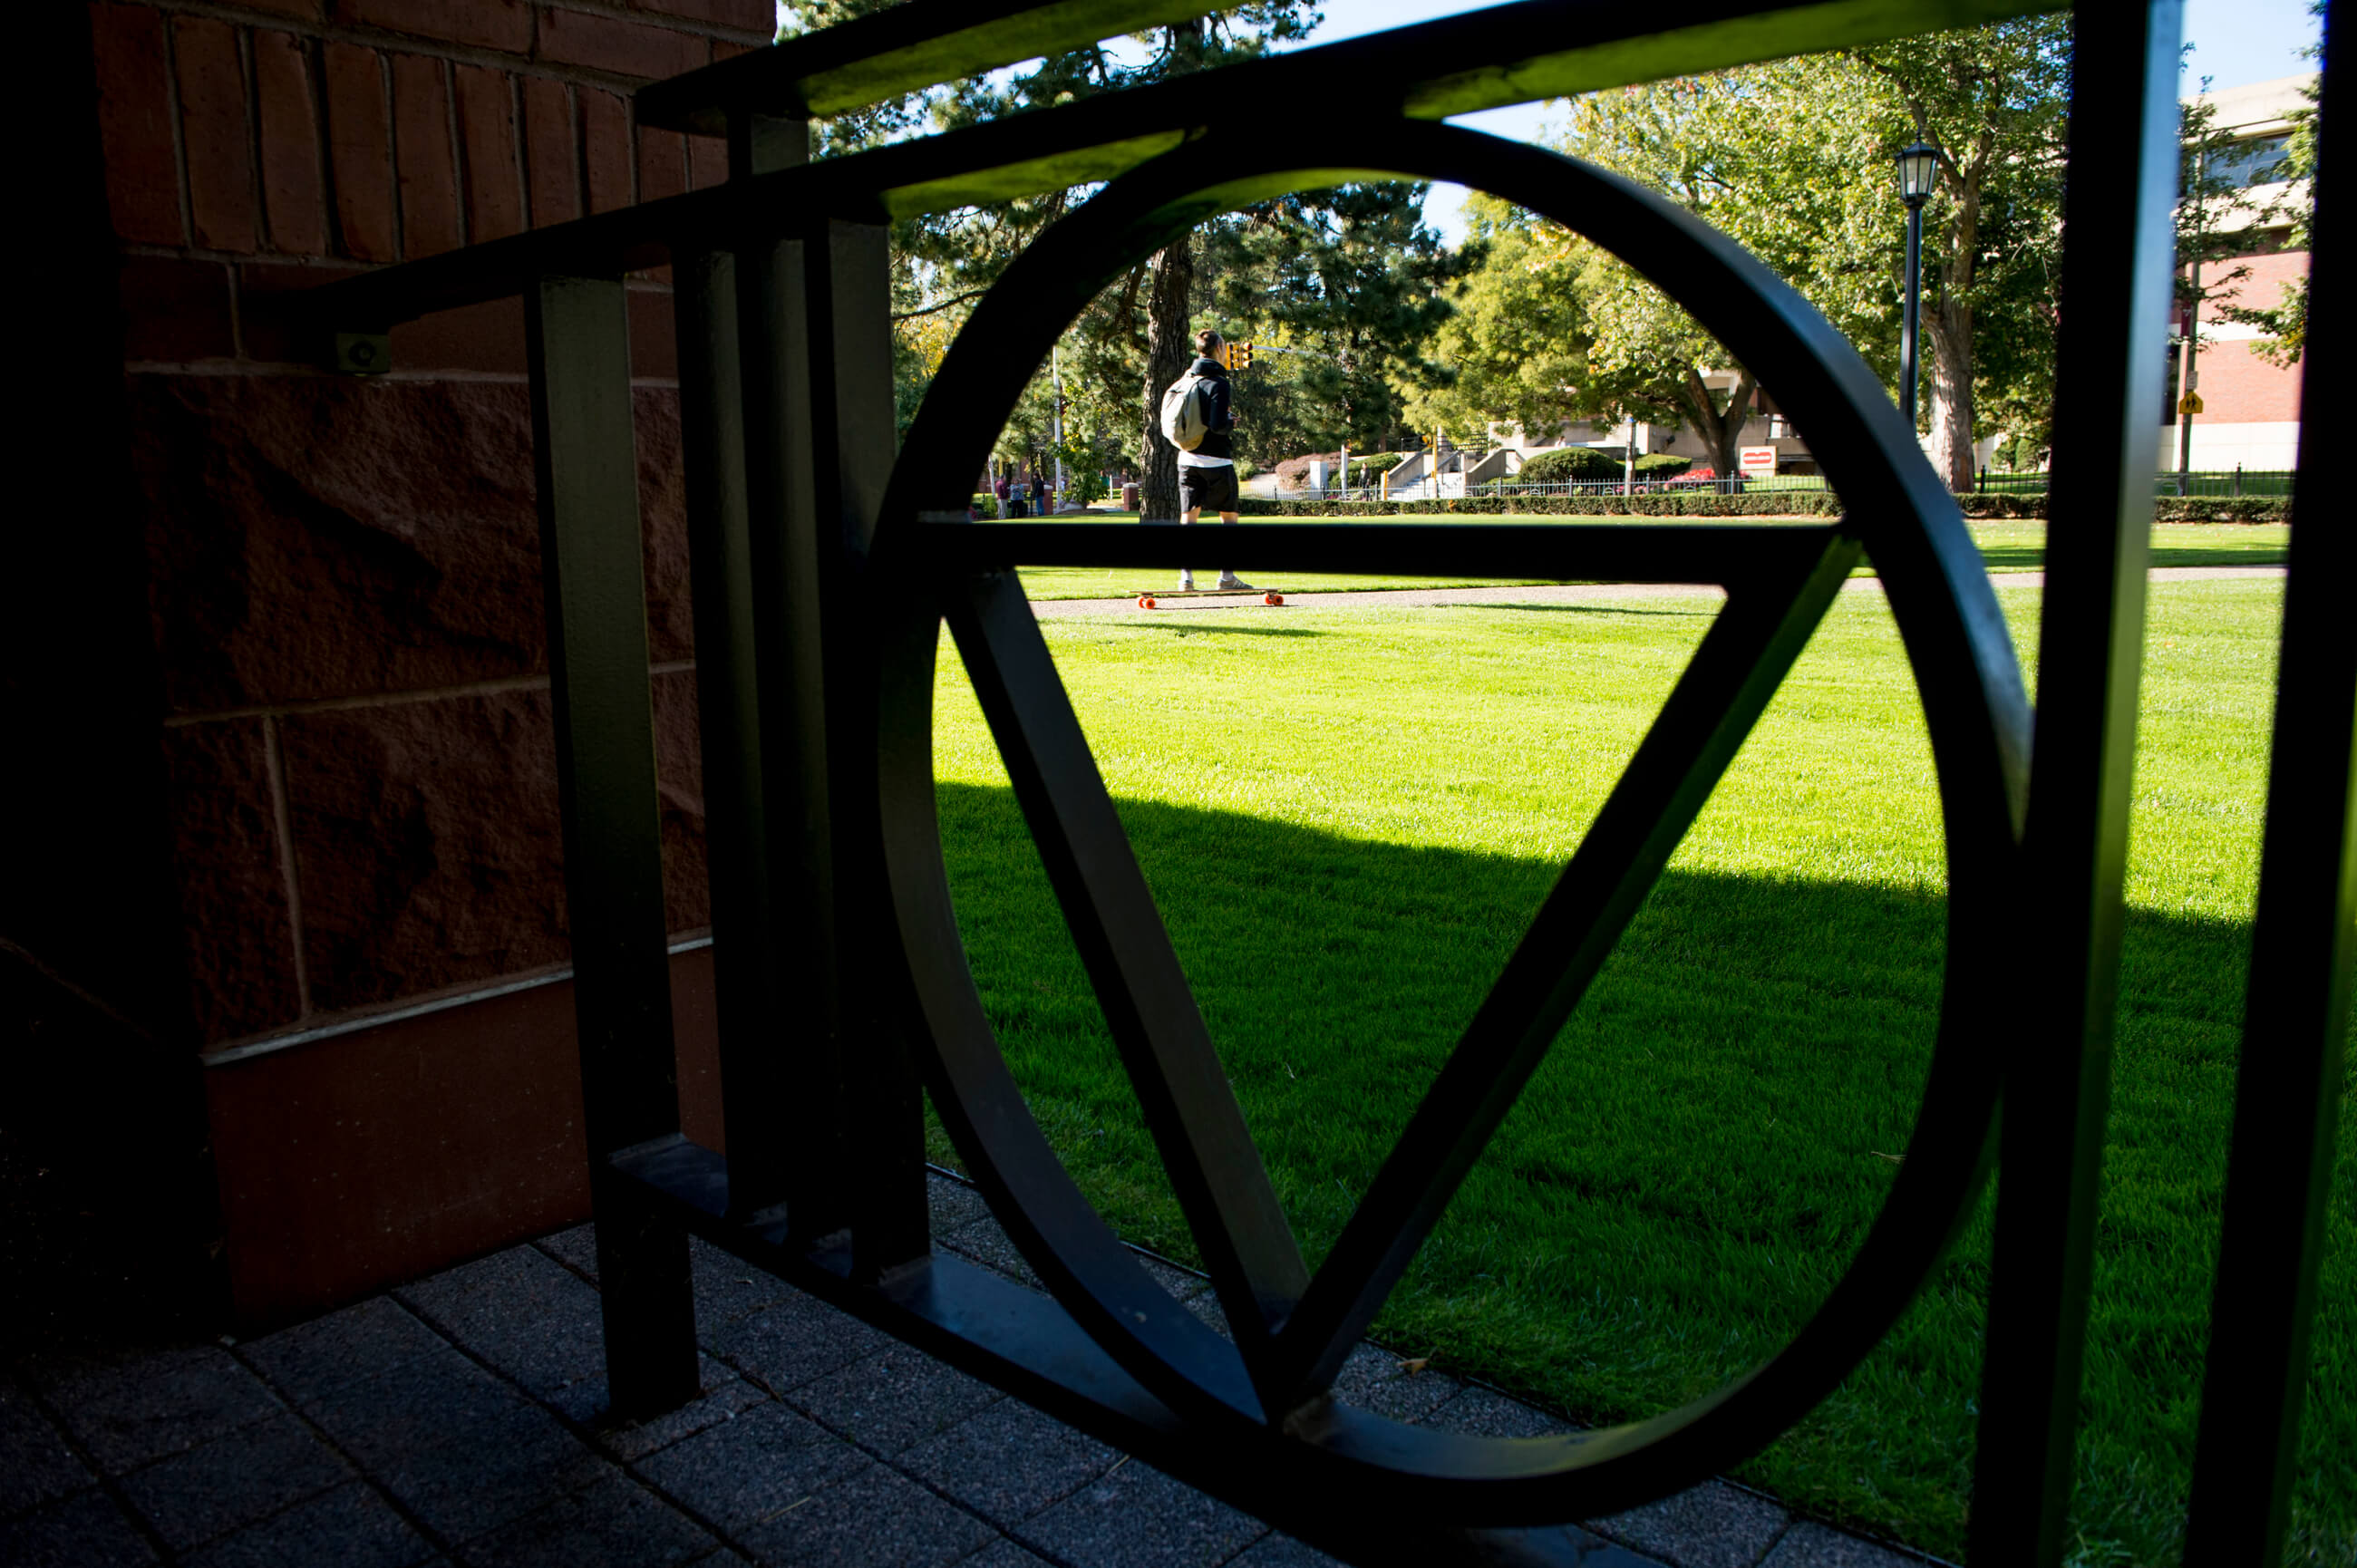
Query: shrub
[1663,465]
[985,507]
[1568,465]
[1764,503]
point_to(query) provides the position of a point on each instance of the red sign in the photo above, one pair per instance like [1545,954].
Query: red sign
[1758,460]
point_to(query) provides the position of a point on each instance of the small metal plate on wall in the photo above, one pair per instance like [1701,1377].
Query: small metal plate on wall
[363,353]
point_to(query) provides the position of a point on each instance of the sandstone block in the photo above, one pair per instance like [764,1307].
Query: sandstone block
[225,858]
[427,838]
[320,537]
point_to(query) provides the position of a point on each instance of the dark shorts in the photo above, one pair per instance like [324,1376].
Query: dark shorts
[1213,489]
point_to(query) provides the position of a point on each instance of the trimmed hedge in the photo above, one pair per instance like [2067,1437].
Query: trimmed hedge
[1773,503]
[1568,465]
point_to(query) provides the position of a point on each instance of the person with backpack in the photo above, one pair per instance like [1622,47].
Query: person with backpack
[1199,418]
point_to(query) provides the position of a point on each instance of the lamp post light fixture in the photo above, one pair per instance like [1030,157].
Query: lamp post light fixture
[1919,165]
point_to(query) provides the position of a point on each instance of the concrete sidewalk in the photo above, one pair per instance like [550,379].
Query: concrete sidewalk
[460,1420]
[1541,593]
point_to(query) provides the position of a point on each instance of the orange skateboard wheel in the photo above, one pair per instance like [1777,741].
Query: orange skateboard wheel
[1272,598]
[1146,601]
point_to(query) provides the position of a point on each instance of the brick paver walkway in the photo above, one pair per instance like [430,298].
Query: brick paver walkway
[460,1420]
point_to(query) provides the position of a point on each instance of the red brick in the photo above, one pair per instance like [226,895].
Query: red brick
[663,163]
[428,841]
[269,331]
[225,855]
[175,310]
[305,10]
[487,338]
[723,49]
[292,197]
[359,143]
[487,150]
[213,128]
[493,24]
[745,15]
[605,148]
[624,48]
[707,159]
[552,172]
[429,175]
[134,124]
[654,343]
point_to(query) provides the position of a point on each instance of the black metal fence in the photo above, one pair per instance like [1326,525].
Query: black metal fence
[2211,483]
[823,570]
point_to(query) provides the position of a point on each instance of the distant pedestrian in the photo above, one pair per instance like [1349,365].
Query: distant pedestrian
[1039,493]
[1207,476]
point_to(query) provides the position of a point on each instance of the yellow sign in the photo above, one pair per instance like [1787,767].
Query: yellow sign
[2190,403]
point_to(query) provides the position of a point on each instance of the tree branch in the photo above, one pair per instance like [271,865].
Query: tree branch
[943,305]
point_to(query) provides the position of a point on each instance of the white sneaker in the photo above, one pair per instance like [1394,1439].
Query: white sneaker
[1186,582]
[1230,580]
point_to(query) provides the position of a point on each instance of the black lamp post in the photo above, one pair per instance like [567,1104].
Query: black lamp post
[1918,165]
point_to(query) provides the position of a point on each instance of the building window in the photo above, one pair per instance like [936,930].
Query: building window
[2261,160]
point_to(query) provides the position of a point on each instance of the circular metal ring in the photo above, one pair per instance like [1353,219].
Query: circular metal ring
[1965,670]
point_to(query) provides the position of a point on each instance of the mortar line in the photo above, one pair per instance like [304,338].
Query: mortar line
[297,709]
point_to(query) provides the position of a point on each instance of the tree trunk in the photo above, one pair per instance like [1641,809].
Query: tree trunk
[1168,352]
[1721,429]
[1950,331]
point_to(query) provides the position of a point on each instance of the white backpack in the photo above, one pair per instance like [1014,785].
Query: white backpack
[1187,411]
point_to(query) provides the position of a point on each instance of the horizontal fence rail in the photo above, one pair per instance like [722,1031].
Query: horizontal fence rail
[825,568]
[2227,483]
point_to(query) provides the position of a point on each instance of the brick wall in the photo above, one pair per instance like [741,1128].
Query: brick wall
[2238,387]
[325,604]
[344,574]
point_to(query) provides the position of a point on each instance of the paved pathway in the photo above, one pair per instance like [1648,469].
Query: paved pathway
[1551,593]
[460,1420]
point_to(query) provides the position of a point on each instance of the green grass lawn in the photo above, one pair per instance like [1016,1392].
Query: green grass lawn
[2005,546]
[1347,815]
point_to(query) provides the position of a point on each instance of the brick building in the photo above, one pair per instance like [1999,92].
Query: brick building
[285,935]
[2250,412]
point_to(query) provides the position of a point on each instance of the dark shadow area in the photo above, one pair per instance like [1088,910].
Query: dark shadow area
[1694,1164]
[105,1189]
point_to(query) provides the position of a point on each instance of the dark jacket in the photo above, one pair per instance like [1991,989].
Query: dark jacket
[1218,442]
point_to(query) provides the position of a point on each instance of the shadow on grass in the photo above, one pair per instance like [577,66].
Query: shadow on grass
[2165,553]
[1692,1165]
[1604,609]
[1221,629]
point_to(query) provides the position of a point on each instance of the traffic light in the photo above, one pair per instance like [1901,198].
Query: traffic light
[1238,357]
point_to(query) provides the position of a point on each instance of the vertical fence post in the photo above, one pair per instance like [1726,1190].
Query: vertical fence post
[784,552]
[849,325]
[2296,1008]
[751,998]
[586,466]
[2057,1075]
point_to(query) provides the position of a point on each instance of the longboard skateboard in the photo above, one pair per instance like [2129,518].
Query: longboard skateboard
[1146,597]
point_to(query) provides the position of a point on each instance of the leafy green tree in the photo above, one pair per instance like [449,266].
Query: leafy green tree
[1341,290]
[1792,158]
[2285,323]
